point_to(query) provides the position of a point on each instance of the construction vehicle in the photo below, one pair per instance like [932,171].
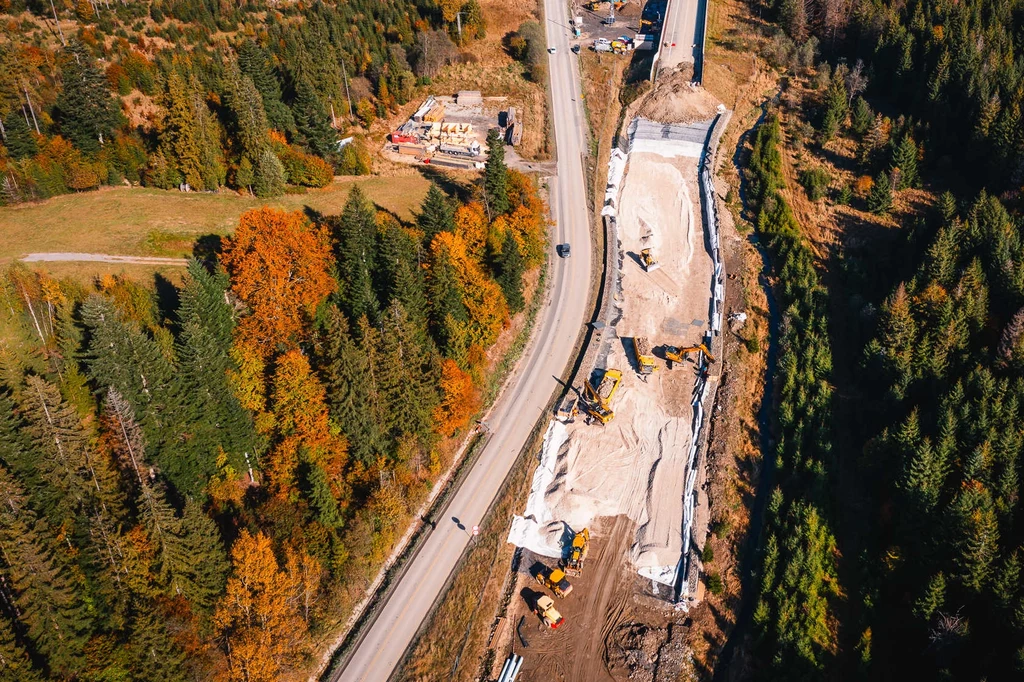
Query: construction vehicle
[648,260]
[673,354]
[473,149]
[545,609]
[597,402]
[554,579]
[578,553]
[644,358]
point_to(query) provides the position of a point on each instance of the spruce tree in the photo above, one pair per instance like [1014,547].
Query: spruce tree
[20,140]
[447,309]
[312,120]
[15,664]
[151,654]
[408,395]
[321,498]
[862,117]
[355,239]
[45,591]
[436,214]
[496,175]
[206,573]
[344,368]
[180,134]
[253,134]
[904,162]
[932,598]
[510,273]
[255,62]
[85,107]
[880,198]
[836,107]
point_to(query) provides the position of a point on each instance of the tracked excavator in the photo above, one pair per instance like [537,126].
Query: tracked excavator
[597,402]
[578,553]
[673,354]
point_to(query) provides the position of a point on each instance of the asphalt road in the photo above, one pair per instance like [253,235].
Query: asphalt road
[522,404]
[684,26]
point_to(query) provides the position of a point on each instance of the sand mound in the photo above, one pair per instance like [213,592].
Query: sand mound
[675,100]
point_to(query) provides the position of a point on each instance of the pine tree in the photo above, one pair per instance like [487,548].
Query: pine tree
[189,136]
[15,665]
[73,478]
[836,107]
[880,198]
[436,214]
[206,573]
[246,105]
[151,654]
[85,106]
[206,321]
[904,163]
[510,273]
[408,396]
[45,593]
[354,233]
[344,369]
[973,536]
[496,175]
[862,117]
[321,499]
[932,599]
[312,120]
[20,140]
[254,62]
[447,309]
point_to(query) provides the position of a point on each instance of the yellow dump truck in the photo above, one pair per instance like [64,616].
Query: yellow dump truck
[545,609]
[598,401]
[554,579]
[644,358]
[578,553]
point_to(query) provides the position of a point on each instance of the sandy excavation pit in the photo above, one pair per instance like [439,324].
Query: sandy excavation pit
[636,465]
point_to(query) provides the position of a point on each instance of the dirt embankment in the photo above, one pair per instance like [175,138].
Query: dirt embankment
[674,99]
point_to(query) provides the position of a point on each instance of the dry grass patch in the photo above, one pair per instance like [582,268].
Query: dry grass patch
[152,222]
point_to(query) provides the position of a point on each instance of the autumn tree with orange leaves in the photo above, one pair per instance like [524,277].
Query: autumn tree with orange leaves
[257,620]
[280,265]
[459,400]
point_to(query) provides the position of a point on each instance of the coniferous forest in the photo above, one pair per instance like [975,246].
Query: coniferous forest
[198,481]
[250,96]
[892,546]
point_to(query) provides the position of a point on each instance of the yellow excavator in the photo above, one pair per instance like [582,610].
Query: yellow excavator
[647,258]
[673,354]
[644,358]
[578,553]
[595,4]
[597,402]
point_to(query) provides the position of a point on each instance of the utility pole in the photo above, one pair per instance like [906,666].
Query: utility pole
[57,21]
[33,111]
[344,75]
[458,22]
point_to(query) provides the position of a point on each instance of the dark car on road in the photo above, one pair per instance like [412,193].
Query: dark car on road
[563,250]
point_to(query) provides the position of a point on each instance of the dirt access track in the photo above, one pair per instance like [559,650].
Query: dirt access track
[625,480]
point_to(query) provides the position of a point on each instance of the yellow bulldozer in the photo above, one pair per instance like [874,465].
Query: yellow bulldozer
[673,354]
[644,358]
[649,263]
[597,402]
[578,553]
[554,579]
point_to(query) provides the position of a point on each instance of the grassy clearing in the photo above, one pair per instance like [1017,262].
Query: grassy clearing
[151,222]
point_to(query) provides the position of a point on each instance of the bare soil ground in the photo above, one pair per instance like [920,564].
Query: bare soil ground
[613,630]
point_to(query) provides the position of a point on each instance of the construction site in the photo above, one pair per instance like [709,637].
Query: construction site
[616,517]
[452,131]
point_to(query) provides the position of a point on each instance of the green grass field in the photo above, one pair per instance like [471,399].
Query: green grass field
[150,222]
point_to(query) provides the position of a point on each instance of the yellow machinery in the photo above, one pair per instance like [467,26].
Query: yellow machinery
[673,354]
[597,402]
[545,608]
[644,358]
[647,258]
[554,579]
[578,554]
